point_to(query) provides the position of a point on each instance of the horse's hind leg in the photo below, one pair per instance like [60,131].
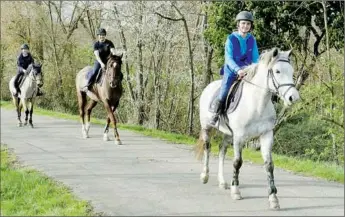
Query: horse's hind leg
[223,147]
[266,141]
[106,130]
[89,108]
[204,143]
[81,104]
[235,191]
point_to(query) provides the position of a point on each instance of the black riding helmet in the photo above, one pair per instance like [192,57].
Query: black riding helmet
[245,15]
[24,46]
[101,31]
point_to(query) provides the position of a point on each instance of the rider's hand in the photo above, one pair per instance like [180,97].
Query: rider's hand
[103,65]
[241,74]
[24,70]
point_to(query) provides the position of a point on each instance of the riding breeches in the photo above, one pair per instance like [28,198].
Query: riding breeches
[228,79]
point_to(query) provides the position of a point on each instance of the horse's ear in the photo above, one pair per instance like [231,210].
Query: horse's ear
[289,53]
[121,55]
[275,52]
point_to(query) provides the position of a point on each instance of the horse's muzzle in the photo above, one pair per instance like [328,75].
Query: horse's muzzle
[113,84]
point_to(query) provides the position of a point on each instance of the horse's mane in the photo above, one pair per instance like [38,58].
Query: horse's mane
[114,58]
[265,59]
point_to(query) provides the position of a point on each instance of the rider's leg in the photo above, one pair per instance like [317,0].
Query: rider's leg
[16,81]
[96,68]
[228,79]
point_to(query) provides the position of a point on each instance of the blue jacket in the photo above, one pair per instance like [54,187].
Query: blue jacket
[240,51]
[24,62]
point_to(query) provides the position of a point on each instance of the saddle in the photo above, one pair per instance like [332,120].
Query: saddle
[232,99]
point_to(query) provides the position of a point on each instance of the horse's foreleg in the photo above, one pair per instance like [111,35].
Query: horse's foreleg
[16,102]
[81,104]
[266,141]
[26,110]
[106,130]
[31,111]
[235,191]
[223,147]
[89,108]
[205,141]
[113,121]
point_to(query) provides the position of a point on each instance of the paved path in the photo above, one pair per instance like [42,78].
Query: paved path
[147,176]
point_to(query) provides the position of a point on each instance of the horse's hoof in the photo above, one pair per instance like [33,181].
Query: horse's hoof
[236,196]
[223,185]
[118,142]
[235,193]
[31,125]
[25,124]
[20,124]
[274,202]
[204,178]
[274,206]
[105,137]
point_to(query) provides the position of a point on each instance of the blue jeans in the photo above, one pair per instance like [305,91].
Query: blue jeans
[228,79]
[96,67]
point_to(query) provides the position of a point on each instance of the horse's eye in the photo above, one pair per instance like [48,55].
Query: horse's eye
[278,71]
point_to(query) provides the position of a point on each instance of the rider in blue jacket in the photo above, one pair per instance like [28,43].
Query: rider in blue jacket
[240,51]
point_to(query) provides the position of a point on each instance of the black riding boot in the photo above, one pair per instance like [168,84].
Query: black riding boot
[216,108]
[39,92]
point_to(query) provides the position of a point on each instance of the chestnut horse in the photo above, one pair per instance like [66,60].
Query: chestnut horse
[107,89]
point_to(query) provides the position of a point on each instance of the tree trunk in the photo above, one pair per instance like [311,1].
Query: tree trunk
[124,47]
[140,70]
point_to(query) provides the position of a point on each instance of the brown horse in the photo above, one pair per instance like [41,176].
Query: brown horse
[108,91]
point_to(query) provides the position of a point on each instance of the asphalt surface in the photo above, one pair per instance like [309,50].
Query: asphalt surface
[148,176]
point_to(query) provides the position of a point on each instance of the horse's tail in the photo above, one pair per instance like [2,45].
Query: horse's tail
[199,148]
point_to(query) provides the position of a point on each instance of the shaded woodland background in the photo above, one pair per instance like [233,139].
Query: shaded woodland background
[174,49]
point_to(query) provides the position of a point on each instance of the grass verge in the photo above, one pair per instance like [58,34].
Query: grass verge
[26,192]
[327,171]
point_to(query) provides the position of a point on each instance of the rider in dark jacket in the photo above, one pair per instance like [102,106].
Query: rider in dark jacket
[102,49]
[23,62]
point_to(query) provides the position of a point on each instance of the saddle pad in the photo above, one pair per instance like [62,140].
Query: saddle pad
[232,99]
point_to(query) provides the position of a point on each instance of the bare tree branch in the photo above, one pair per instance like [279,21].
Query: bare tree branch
[168,18]
[333,121]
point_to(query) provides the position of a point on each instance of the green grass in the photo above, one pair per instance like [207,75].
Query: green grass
[26,192]
[322,170]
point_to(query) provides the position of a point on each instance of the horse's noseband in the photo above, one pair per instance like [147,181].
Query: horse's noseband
[275,82]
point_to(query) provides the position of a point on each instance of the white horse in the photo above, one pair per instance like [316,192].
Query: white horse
[254,117]
[28,91]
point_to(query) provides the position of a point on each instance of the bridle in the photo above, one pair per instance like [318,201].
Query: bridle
[110,75]
[33,76]
[274,81]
